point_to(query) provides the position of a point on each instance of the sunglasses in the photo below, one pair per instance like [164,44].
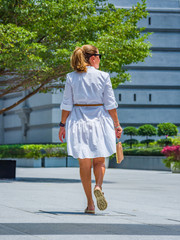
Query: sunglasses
[96,54]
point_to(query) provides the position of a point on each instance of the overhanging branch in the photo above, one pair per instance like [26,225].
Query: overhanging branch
[58,74]
[24,98]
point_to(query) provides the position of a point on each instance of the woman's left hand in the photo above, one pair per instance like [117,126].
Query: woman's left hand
[118,131]
[62,133]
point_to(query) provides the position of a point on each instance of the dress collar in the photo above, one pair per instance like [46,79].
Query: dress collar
[90,66]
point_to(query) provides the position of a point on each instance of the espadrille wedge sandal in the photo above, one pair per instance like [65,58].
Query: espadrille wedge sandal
[89,211]
[101,201]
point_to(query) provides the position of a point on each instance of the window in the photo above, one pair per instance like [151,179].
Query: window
[119,97]
[134,97]
[149,20]
[150,98]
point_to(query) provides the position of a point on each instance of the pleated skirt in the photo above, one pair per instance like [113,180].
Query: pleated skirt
[90,132]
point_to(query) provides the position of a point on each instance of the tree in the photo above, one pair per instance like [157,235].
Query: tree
[37,38]
[147,130]
[168,129]
[132,131]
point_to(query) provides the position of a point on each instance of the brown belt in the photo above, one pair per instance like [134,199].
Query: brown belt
[87,105]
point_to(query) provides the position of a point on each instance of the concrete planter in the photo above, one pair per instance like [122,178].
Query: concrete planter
[50,162]
[174,169]
[140,163]
[27,162]
[55,162]
[72,162]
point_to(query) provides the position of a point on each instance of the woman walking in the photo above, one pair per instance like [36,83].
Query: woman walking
[89,120]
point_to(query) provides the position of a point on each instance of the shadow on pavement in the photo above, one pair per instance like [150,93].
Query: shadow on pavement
[64,213]
[47,180]
[88,229]
[80,213]
[50,180]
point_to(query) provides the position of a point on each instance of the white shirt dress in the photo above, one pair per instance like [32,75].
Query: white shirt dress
[89,130]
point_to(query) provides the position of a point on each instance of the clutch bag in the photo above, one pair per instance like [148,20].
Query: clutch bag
[119,152]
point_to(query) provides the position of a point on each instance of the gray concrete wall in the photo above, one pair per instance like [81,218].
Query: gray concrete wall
[149,78]
[158,96]
[150,3]
[160,59]
[40,124]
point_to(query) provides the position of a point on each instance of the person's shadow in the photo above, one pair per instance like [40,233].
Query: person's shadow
[51,180]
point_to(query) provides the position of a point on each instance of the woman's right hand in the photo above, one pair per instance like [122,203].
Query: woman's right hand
[118,131]
[62,133]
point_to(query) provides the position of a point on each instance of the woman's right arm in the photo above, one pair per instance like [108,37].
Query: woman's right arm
[66,107]
[118,129]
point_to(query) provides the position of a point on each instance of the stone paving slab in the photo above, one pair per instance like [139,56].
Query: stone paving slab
[49,203]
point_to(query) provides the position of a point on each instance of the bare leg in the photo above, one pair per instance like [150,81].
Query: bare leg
[99,170]
[85,174]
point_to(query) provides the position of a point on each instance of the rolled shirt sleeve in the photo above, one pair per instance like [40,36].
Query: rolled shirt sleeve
[109,98]
[67,102]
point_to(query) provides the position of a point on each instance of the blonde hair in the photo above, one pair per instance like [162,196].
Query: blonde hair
[80,57]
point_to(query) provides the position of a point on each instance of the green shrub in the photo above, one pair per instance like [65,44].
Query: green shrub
[164,142]
[33,150]
[169,129]
[144,151]
[147,141]
[15,150]
[141,152]
[176,140]
[153,144]
[147,130]
[131,131]
[131,141]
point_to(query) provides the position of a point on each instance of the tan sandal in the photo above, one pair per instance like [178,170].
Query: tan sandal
[89,211]
[101,201]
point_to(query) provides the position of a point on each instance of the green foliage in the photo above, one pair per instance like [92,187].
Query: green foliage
[176,140]
[141,152]
[38,36]
[131,141]
[164,142]
[12,151]
[147,130]
[167,163]
[147,141]
[33,150]
[144,152]
[176,165]
[169,129]
[132,131]
[170,160]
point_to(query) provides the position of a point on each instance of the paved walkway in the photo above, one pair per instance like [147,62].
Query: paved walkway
[48,203]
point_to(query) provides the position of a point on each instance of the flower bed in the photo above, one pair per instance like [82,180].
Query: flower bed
[172,154]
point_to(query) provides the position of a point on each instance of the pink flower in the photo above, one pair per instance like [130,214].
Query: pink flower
[172,151]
